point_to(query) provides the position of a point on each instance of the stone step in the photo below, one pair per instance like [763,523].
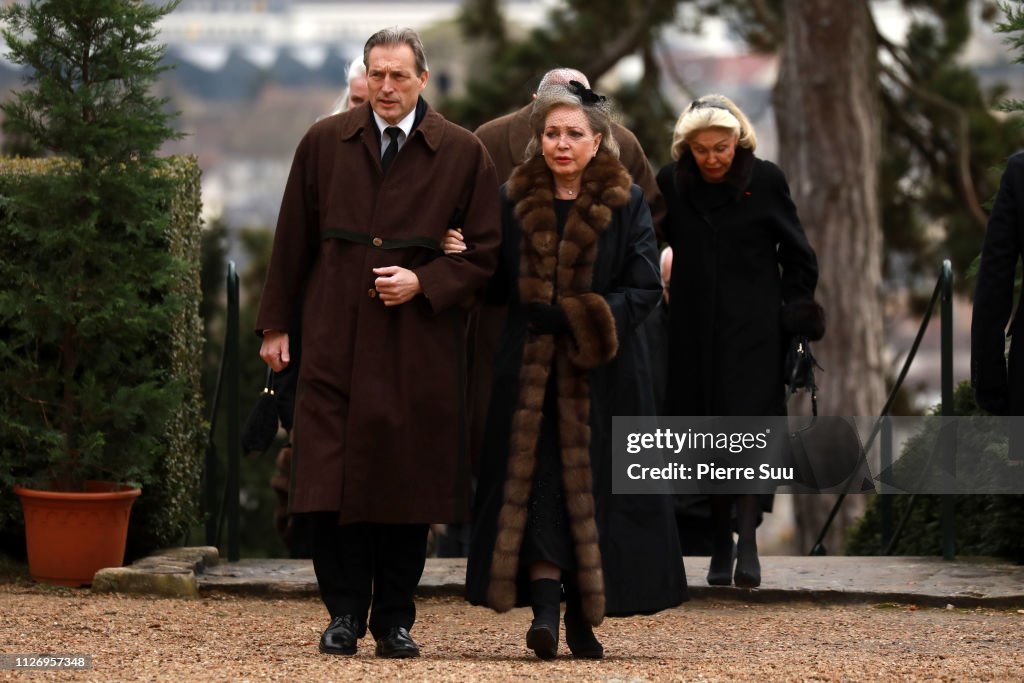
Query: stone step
[924,581]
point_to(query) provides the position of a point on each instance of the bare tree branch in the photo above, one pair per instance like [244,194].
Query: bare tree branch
[770,20]
[669,65]
[631,38]
[962,147]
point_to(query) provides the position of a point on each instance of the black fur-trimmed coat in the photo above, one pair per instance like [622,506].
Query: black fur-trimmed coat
[626,546]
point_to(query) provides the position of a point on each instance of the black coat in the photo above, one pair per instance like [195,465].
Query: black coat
[740,256]
[640,555]
[998,386]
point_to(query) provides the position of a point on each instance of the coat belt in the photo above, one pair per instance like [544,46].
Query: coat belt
[381,242]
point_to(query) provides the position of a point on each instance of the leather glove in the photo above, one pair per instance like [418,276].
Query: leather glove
[546,319]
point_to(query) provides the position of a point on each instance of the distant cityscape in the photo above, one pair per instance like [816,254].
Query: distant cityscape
[250,77]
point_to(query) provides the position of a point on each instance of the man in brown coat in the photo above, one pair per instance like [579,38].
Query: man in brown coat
[505,139]
[379,437]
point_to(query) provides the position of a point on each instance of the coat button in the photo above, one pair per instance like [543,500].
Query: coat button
[372,293]
[377,241]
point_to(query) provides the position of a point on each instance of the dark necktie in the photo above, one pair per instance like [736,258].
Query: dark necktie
[392,151]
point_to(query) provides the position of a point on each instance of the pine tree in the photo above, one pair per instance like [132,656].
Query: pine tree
[84,308]
[91,66]
[1013,27]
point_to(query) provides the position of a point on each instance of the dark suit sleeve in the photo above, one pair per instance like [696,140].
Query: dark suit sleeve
[796,256]
[993,293]
[296,242]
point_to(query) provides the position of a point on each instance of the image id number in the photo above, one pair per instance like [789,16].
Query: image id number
[44,662]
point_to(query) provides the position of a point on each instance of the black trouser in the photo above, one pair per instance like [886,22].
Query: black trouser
[357,564]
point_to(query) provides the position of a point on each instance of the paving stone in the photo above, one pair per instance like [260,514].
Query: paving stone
[163,582]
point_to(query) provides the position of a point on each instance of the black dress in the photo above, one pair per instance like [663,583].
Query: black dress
[548,536]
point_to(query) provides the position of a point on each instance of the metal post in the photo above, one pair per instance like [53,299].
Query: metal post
[210,507]
[884,465]
[231,501]
[948,433]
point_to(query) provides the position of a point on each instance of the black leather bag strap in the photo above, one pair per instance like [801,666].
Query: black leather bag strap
[806,363]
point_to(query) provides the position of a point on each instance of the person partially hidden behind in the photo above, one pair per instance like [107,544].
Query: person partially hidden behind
[356,90]
[998,380]
[379,437]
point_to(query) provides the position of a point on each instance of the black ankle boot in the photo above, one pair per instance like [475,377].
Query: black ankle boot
[545,598]
[720,569]
[579,635]
[748,567]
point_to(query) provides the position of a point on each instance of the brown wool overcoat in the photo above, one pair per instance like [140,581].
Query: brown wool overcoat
[506,137]
[380,432]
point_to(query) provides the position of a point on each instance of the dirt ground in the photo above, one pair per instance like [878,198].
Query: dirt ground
[223,638]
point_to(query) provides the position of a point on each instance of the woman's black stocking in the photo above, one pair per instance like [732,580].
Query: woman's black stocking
[748,567]
[720,569]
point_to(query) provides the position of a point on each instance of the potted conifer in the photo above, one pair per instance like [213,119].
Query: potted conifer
[83,309]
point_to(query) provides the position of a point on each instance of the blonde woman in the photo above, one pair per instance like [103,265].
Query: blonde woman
[742,284]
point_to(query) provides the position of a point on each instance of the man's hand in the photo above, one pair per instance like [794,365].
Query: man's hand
[274,350]
[396,285]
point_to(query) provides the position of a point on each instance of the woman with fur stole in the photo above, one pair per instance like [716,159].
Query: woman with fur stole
[578,271]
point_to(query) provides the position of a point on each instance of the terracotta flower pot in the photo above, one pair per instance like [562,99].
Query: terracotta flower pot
[71,536]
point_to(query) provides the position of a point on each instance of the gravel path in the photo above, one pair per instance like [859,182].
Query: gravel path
[250,639]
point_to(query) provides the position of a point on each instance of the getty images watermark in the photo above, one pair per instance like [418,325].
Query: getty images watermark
[827,454]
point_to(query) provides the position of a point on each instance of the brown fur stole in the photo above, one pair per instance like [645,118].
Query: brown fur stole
[561,271]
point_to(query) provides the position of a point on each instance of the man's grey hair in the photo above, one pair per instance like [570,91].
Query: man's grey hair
[553,96]
[562,76]
[397,35]
[355,70]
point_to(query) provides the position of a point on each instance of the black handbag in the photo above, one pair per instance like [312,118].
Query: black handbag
[262,424]
[827,455]
[798,369]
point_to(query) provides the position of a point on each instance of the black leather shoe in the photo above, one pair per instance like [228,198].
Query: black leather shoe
[340,636]
[748,567]
[397,644]
[543,640]
[580,638]
[582,641]
[720,567]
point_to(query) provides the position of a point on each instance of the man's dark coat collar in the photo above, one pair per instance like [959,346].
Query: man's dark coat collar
[428,122]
